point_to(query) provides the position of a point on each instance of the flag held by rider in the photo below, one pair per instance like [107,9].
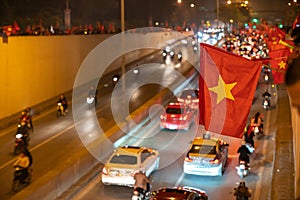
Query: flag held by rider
[226,88]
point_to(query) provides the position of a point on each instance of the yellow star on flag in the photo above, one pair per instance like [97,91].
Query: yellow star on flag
[223,90]
[281,65]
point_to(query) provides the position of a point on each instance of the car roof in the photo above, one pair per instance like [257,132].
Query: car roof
[202,141]
[191,92]
[175,105]
[175,193]
[129,150]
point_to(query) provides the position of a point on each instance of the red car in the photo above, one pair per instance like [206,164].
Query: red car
[177,116]
[179,193]
[189,97]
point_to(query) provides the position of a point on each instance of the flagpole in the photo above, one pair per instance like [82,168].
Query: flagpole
[218,5]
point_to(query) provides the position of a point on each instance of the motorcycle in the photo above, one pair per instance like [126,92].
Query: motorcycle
[195,48]
[115,79]
[60,110]
[257,130]
[242,193]
[266,77]
[266,74]
[179,56]
[90,100]
[164,54]
[242,169]
[140,194]
[266,103]
[21,143]
[20,178]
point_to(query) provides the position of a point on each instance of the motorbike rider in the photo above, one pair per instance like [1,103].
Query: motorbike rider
[25,117]
[63,100]
[29,113]
[244,153]
[242,192]
[266,95]
[257,120]
[93,92]
[23,129]
[141,182]
[23,163]
[249,135]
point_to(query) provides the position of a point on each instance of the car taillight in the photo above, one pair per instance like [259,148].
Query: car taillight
[104,171]
[214,161]
[163,117]
[188,159]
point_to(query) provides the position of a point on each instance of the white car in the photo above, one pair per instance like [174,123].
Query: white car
[206,156]
[127,160]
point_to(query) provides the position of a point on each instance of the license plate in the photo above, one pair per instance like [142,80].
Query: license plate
[172,127]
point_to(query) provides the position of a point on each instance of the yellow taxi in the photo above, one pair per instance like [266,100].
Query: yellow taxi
[207,156]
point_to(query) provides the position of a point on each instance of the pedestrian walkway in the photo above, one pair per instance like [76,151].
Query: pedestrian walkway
[283,171]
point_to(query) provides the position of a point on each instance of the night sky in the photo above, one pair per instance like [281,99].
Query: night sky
[136,11]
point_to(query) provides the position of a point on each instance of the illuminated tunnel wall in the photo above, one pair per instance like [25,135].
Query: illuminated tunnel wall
[36,68]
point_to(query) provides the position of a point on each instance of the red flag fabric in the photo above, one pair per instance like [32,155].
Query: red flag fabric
[275,36]
[16,26]
[278,64]
[226,89]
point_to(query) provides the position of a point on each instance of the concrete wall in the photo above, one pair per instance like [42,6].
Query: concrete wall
[36,68]
[296,139]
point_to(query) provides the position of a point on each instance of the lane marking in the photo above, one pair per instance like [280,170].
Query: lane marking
[11,128]
[261,168]
[85,190]
[49,139]
[179,179]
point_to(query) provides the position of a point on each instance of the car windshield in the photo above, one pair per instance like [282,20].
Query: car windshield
[203,149]
[175,110]
[192,93]
[124,159]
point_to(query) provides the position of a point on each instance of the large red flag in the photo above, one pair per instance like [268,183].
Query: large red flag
[278,64]
[226,89]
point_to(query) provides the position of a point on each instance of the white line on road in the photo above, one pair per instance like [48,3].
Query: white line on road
[49,139]
[261,168]
[40,144]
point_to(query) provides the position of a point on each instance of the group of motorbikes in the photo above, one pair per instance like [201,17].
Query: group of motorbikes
[171,53]
[24,129]
[22,138]
[255,129]
[266,103]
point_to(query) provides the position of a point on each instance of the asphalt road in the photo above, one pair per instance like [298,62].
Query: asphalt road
[173,146]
